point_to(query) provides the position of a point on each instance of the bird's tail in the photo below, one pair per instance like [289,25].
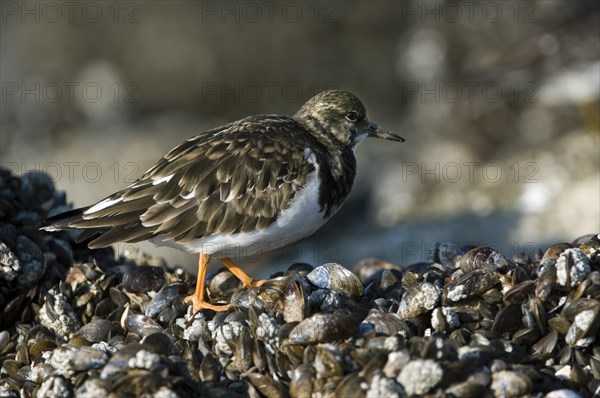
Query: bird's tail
[63,220]
[66,220]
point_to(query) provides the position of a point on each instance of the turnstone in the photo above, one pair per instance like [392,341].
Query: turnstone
[256,184]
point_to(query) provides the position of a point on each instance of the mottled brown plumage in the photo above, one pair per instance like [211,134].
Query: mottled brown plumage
[236,179]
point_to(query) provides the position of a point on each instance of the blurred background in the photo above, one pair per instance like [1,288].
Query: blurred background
[498,102]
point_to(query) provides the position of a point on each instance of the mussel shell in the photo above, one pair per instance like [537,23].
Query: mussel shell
[323,328]
[97,330]
[470,285]
[143,279]
[141,325]
[483,257]
[165,297]
[334,277]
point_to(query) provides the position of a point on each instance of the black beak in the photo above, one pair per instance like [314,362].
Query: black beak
[378,132]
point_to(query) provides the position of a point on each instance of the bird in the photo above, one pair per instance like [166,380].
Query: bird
[252,185]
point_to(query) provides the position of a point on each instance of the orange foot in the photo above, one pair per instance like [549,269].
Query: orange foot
[254,283]
[247,281]
[197,299]
[199,304]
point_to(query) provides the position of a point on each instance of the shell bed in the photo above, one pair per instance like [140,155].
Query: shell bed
[469,322]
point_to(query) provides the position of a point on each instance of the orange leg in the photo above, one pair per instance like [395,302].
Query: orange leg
[247,280]
[197,299]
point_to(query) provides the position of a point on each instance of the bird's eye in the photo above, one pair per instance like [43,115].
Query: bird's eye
[352,116]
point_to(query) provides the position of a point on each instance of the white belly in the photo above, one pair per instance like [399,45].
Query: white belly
[299,220]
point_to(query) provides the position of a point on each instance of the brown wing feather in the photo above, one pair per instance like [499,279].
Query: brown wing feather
[233,179]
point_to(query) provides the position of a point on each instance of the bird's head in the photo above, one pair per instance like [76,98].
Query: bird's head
[340,116]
